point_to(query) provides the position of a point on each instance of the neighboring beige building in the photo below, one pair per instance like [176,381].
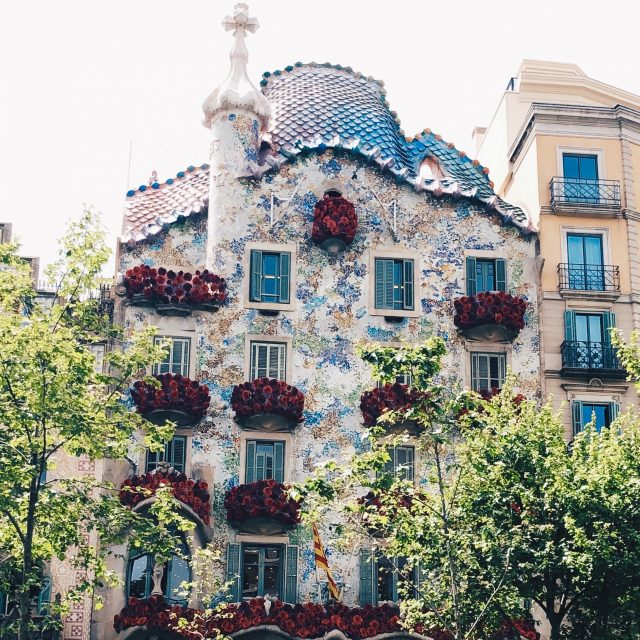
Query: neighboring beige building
[566,148]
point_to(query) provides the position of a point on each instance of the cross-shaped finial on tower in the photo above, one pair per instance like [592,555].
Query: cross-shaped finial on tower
[241,20]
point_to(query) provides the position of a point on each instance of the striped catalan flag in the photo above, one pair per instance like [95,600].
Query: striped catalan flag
[321,563]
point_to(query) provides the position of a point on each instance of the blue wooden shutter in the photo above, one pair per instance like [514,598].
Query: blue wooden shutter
[233,571]
[255,293]
[291,576]
[471,276]
[250,471]
[380,284]
[367,568]
[501,274]
[577,417]
[178,453]
[608,323]
[285,268]
[408,284]
[570,325]
[278,461]
[44,596]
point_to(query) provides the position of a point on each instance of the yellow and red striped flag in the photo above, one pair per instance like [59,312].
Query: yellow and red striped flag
[321,563]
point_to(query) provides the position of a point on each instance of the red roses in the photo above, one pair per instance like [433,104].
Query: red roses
[490,308]
[265,498]
[176,392]
[334,217]
[166,286]
[194,493]
[266,395]
[390,397]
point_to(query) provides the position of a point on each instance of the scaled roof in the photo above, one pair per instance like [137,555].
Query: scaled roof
[316,107]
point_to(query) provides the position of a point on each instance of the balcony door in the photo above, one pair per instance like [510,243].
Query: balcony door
[586,261]
[580,174]
[589,335]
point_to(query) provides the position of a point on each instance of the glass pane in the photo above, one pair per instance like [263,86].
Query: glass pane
[485,275]
[398,285]
[598,411]
[593,250]
[270,276]
[575,249]
[595,328]
[570,166]
[178,572]
[250,563]
[588,168]
[264,456]
[271,572]
[582,327]
[385,580]
[139,576]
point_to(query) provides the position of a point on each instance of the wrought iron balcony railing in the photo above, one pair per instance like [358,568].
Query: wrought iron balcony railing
[574,191]
[589,277]
[590,357]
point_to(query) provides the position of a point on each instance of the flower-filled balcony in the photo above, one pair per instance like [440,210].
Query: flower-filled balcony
[308,620]
[375,513]
[335,223]
[193,493]
[174,293]
[390,397]
[262,507]
[267,404]
[178,399]
[490,316]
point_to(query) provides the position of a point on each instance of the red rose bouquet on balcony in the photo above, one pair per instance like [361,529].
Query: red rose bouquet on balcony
[490,308]
[194,493]
[166,286]
[265,498]
[334,217]
[270,396]
[176,392]
[390,397]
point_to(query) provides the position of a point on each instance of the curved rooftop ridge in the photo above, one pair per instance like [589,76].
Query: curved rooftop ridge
[269,76]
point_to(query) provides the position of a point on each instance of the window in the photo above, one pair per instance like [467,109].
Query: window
[175,453]
[268,360]
[174,572]
[601,413]
[177,359]
[265,460]
[2,238]
[402,463]
[270,276]
[258,570]
[488,370]
[485,274]
[381,578]
[393,284]
[580,174]
[587,340]
[585,262]
[401,378]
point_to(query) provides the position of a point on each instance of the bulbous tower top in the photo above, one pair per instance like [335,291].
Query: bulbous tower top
[237,91]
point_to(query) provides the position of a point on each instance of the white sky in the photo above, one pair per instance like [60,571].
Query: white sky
[80,79]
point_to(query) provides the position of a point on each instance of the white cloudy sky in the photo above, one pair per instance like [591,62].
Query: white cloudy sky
[81,80]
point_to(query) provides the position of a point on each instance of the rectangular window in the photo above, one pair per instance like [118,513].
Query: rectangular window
[585,262]
[402,463]
[485,274]
[602,414]
[2,240]
[177,359]
[268,360]
[381,578]
[262,571]
[394,284]
[265,460]
[270,276]
[587,342]
[488,370]
[580,173]
[175,453]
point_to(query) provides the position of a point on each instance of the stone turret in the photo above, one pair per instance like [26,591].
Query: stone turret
[237,114]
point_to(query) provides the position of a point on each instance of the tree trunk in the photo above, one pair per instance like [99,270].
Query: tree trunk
[555,621]
[27,563]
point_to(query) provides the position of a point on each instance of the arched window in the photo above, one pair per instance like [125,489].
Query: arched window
[140,583]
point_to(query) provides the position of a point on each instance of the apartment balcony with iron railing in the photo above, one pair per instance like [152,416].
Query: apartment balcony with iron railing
[572,193]
[589,278]
[597,359]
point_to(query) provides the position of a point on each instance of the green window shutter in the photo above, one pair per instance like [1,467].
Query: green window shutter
[608,322]
[250,471]
[291,576]
[379,284]
[278,464]
[502,368]
[501,274]
[577,417]
[178,453]
[233,571]
[255,292]
[285,269]
[44,597]
[471,276]
[367,568]
[408,284]
[570,325]
[389,467]
[261,465]
[614,411]
[384,284]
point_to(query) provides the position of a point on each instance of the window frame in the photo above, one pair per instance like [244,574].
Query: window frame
[289,248]
[392,451]
[581,151]
[395,254]
[257,442]
[282,548]
[254,368]
[158,340]
[577,406]
[184,438]
[503,355]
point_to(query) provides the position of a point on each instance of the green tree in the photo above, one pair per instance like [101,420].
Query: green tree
[54,403]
